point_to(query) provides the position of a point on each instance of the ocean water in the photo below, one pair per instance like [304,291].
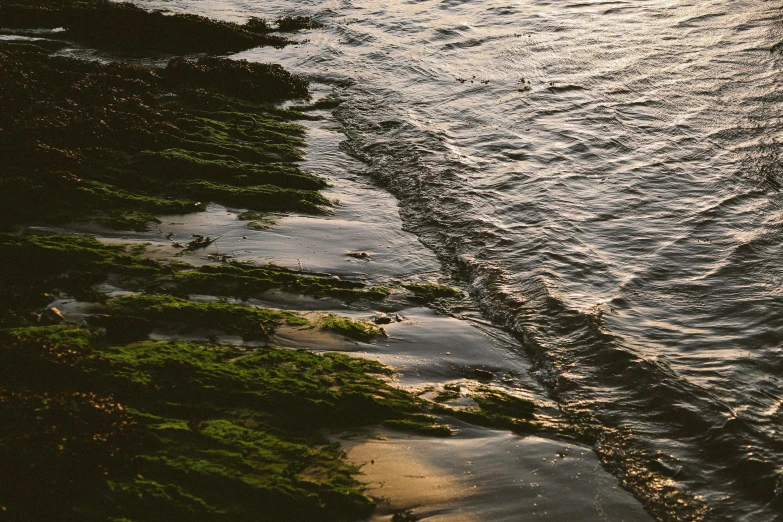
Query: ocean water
[604,177]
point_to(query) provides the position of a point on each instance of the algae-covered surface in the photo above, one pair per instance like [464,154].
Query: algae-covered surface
[138,430]
[103,422]
[177,430]
[120,143]
[105,426]
[129,28]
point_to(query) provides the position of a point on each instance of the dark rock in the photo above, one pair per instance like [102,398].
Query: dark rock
[122,328]
[382,319]
[239,78]
[51,316]
[295,23]
[484,375]
[127,27]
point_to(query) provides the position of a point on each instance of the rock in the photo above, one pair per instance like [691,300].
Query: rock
[122,328]
[197,425]
[381,319]
[51,316]
[399,318]
[483,375]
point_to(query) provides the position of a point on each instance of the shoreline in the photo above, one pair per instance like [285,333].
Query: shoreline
[424,414]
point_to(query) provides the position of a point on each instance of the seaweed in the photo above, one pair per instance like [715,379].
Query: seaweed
[244,280]
[120,144]
[238,78]
[447,395]
[296,23]
[428,292]
[323,103]
[195,430]
[39,263]
[420,428]
[162,310]
[364,331]
[132,29]
[493,401]
[184,430]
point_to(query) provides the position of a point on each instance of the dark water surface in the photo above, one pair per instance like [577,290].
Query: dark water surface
[604,176]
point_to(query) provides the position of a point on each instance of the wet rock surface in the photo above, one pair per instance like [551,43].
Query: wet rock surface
[119,143]
[129,28]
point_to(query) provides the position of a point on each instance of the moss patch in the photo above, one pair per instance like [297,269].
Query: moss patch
[120,144]
[430,291]
[447,395]
[162,310]
[40,263]
[364,331]
[189,429]
[37,264]
[245,280]
[194,430]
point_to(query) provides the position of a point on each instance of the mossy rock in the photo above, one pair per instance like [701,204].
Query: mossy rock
[428,292]
[131,29]
[364,331]
[120,144]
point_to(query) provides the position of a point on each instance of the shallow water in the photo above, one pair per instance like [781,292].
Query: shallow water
[605,177]
[483,474]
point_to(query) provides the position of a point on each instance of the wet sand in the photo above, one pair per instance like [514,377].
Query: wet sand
[481,474]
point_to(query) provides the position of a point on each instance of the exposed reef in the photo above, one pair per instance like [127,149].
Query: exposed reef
[119,144]
[129,28]
[99,421]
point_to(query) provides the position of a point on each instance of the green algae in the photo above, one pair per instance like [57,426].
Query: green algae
[120,144]
[364,331]
[446,396]
[41,263]
[163,310]
[496,402]
[496,409]
[194,430]
[238,78]
[428,292]
[252,216]
[256,220]
[266,197]
[420,428]
[244,281]
[186,164]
